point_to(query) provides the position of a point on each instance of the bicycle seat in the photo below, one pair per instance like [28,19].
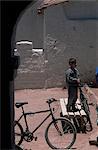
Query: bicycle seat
[19,104]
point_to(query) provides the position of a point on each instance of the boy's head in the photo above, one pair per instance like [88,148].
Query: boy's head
[72,62]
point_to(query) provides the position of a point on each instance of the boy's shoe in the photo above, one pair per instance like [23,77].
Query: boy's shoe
[69,109]
[75,109]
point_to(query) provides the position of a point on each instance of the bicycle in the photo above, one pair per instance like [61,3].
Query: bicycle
[85,107]
[60,133]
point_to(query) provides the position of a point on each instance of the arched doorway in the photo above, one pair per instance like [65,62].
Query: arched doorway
[10,11]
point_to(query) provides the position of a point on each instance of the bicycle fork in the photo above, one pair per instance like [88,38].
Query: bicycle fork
[57,128]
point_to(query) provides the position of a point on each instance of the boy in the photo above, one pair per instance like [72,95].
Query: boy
[72,81]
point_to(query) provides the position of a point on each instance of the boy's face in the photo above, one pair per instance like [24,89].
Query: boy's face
[73,65]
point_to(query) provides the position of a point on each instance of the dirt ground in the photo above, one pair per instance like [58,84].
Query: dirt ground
[37,101]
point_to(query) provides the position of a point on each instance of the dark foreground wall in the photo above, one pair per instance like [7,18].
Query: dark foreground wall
[62,31]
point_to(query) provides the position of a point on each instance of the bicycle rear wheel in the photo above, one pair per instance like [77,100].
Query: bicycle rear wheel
[60,134]
[18,130]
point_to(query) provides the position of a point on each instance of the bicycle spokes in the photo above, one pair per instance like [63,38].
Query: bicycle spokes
[18,136]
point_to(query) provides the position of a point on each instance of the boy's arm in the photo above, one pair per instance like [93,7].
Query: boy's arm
[71,79]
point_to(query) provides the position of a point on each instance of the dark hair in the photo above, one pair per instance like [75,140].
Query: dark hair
[72,61]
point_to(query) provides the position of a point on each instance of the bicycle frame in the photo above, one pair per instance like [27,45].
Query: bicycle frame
[64,123]
[37,112]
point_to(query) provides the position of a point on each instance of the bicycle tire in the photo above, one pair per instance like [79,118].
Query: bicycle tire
[61,130]
[20,134]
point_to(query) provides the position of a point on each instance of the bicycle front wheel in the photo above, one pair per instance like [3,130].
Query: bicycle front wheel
[18,130]
[60,134]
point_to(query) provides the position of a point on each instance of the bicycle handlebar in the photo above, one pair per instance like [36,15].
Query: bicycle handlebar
[83,84]
[51,100]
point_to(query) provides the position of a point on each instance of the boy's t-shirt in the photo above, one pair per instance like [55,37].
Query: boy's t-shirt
[71,77]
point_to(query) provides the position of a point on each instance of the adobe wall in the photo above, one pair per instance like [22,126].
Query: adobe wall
[63,32]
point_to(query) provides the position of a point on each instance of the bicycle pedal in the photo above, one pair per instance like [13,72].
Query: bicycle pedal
[35,138]
[93,142]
